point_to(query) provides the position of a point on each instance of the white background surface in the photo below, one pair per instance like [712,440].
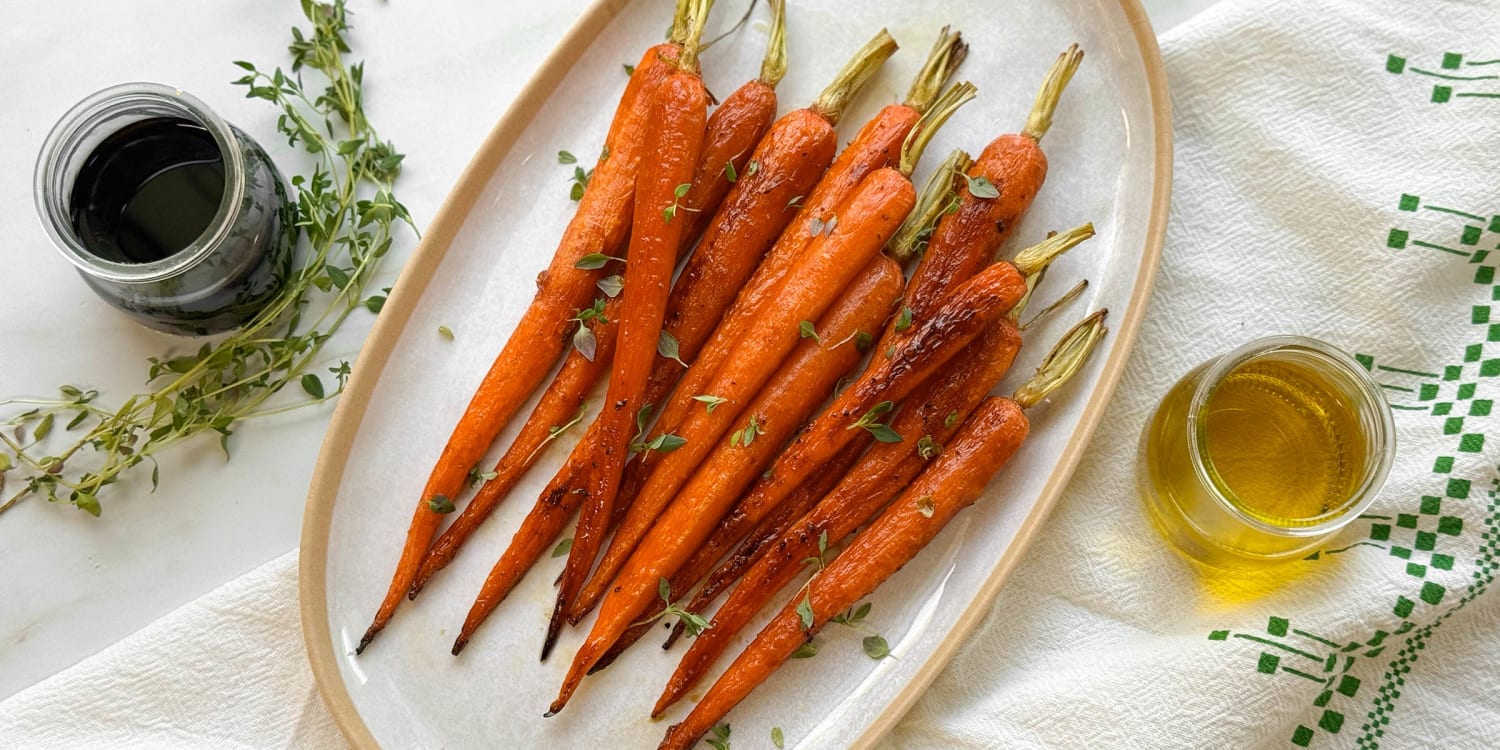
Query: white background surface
[439,74]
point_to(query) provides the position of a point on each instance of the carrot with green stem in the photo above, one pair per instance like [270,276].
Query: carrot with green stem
[804,292]
[870,216]
[926,423]
[876,145]
[967,312]
[997,190]
[675,143]
[787,163]
[732,131]
[922,423]
[952,482]
[600,226]
[842,336]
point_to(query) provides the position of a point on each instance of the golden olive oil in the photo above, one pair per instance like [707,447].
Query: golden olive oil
[1284,442]
[1253,465]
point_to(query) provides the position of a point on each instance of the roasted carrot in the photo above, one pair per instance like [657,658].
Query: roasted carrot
[785,166]
[675,144]
[755,360]
[805,381]
[952,482]
[800,502]
[867,219]
[926,423]
[999,188]
[733,130]
[787,163]
[970,309]
[601,225]
[877,145]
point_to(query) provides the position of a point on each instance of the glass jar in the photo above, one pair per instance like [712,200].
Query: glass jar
[239,262]
[1350,437]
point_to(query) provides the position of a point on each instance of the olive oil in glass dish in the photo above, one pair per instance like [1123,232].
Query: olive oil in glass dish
[1262,454]
[168,212]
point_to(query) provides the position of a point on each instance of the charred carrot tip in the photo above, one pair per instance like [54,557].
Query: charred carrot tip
[365,640]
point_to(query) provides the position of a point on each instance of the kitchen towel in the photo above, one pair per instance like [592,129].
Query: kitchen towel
[1337,176]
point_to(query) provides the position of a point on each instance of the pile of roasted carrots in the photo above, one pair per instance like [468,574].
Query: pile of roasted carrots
[711,467]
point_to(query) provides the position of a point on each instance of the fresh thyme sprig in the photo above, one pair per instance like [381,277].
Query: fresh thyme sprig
[347,209]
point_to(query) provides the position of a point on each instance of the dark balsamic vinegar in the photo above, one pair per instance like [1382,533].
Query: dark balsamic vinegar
[148,190]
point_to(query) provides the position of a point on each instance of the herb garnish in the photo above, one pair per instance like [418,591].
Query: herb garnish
[777,738]
[563,547]
[670,212]
[928,448]
[594,261]
[580,182]
[440,504]
[709,402]
[348,212]
[566,157]
[807,331]
[747,436]
[692,623]
[583,339]
[870,421]
[666,346]
[981,187]
[903,319]
[720,738]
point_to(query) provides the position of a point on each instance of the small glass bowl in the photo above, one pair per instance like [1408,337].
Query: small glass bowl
[1191,505]
[240,261]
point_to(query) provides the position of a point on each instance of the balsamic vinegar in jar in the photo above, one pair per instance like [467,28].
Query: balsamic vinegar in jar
[148,190]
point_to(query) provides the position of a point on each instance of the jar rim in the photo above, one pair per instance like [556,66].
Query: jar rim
[82,120]
[1381,442]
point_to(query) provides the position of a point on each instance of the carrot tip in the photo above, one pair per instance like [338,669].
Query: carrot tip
[458,645]
[551,712]
[365,641]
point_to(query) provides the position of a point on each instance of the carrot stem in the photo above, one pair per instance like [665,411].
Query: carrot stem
[1034,259]
[1064,361]
[1067,297]
[836,97]
[773,67]
[948,52]
[1040,119]
[938,195]
[956,96]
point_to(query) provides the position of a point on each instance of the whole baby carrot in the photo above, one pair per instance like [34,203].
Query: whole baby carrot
[877,145]
[999,187]
[868,217]
[675,143]
[600,226]
[952,482]
[734,128]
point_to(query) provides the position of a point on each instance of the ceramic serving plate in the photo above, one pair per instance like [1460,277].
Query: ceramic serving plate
[1110,163]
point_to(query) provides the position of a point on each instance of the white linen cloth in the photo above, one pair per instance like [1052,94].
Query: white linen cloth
[1338,176]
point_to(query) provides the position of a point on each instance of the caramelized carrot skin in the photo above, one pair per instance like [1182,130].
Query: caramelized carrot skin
[971,309]
[868,218]
[798,504]
[954,481]
[733,130]
[876,146]
[964,242]
[809,374]
[601,225]
[730,135]
[937,410]
[675,142]
[791,158]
